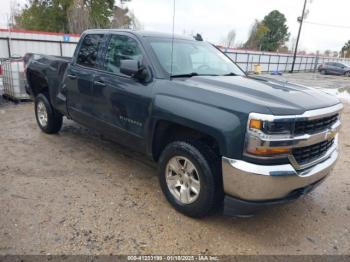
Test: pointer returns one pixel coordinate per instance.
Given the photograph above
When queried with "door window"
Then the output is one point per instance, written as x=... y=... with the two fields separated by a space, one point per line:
x=121 y=47
x=87 y=55
x=339 y=65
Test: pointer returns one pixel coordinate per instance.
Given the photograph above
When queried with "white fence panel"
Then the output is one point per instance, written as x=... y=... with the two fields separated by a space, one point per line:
x=20 y=48
x=68 y=49
x=3 y=48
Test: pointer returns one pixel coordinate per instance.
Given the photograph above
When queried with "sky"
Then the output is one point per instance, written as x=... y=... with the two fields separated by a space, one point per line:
x=213 y=19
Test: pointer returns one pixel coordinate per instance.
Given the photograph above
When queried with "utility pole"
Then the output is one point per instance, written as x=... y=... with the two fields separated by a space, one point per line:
x=300 y=20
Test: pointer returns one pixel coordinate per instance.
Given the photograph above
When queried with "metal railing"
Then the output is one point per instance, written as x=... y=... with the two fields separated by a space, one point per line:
x=270 y=62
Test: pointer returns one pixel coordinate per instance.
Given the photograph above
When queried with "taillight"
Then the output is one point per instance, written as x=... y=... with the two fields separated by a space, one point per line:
x=1 y=70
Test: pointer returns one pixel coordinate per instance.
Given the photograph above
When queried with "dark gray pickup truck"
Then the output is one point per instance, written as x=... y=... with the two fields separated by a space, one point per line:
x=222 y=139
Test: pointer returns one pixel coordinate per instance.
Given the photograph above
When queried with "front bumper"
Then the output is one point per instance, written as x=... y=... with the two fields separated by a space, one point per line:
x=242 y=208
x=249 y=182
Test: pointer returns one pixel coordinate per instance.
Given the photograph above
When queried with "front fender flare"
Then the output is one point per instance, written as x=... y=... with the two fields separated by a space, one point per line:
x=227 y=128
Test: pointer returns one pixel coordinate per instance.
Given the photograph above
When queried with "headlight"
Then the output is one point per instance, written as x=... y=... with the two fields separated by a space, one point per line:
x=263 y=127
x=275 y=127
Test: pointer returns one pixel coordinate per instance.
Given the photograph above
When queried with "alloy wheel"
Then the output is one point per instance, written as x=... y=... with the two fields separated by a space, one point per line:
x=41 y=113
x=182 y=179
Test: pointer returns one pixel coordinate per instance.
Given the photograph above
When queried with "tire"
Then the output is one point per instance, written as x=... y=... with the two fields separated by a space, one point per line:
x=347 y=74
x=47 y=118
x=205 y=176
x=323 y=72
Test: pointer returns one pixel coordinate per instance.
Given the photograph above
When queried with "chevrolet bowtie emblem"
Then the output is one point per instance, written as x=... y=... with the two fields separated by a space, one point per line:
x=330 y=135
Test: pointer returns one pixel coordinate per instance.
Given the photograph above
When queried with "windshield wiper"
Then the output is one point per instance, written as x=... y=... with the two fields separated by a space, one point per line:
x=230 y=74
x=192 y=74
x=186 y=75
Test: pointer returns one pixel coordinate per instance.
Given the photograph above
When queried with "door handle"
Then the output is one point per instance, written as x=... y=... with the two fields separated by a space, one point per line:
x=72 y=76
x=99 y=83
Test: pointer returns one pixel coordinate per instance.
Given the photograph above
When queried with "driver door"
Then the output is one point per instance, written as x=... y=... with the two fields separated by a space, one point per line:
x=122 y=102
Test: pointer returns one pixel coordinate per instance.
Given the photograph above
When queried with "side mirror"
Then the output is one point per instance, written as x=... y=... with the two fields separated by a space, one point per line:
x=134 y=69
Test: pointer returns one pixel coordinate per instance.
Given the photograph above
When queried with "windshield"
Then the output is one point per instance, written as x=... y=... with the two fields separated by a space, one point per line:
x=192 y=58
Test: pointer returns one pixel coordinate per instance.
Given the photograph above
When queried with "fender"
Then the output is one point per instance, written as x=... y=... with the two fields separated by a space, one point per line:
x=225 y=127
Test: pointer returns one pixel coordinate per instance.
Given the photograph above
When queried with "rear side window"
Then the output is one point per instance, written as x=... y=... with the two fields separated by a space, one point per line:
x=121 y=47
x=87 y=55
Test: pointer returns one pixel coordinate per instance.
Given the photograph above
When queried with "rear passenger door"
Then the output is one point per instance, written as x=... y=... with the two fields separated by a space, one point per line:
x=122 y=103
x=80 y=75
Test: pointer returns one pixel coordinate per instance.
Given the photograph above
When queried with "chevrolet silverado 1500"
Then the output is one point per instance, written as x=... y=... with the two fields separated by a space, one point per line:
x=221 y=138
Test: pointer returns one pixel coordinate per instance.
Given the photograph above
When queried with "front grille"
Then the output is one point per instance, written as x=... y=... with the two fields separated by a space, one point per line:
x=305 y=155
x=314 y=126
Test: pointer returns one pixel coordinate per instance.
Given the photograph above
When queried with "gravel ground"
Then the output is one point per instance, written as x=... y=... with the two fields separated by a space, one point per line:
x=76 y=193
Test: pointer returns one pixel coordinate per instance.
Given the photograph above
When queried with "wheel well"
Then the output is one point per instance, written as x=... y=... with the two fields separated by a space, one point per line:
x=37 y=83
x=166 y=132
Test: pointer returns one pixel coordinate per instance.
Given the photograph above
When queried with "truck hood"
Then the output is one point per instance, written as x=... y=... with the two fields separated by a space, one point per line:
x=281 y=98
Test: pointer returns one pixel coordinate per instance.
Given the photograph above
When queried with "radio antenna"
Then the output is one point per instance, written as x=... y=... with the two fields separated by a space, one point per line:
x=172 y=41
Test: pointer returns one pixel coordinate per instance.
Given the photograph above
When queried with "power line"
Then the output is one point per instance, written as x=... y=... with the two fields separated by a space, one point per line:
x=329 y=25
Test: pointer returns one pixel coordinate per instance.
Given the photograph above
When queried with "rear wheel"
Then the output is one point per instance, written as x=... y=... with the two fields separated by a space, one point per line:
x=47 y=118
x=323 y=72
x=347 y=74
x=190 y=178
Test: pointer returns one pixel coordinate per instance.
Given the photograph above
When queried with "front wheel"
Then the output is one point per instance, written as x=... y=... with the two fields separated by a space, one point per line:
x=190 y=178
x=47 y=118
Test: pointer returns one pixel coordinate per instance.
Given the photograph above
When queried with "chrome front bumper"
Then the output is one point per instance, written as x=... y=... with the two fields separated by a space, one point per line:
x=251 y=182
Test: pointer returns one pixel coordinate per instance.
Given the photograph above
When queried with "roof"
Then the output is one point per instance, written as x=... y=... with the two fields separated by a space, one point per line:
x=139 y=33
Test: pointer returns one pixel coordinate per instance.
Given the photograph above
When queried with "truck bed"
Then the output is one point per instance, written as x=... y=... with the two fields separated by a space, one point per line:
x=43 y=71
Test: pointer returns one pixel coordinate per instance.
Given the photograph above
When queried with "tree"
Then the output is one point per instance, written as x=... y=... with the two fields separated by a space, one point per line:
x=44 y=15
x=121 y=19
x=277 y=33
x=257 y=33
x=327 y=53
x=74 y=16
x=100 y=12
x=135 y=23
x=345 y=51
x=283 y=49
x=78 y=17
x=230 y=39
